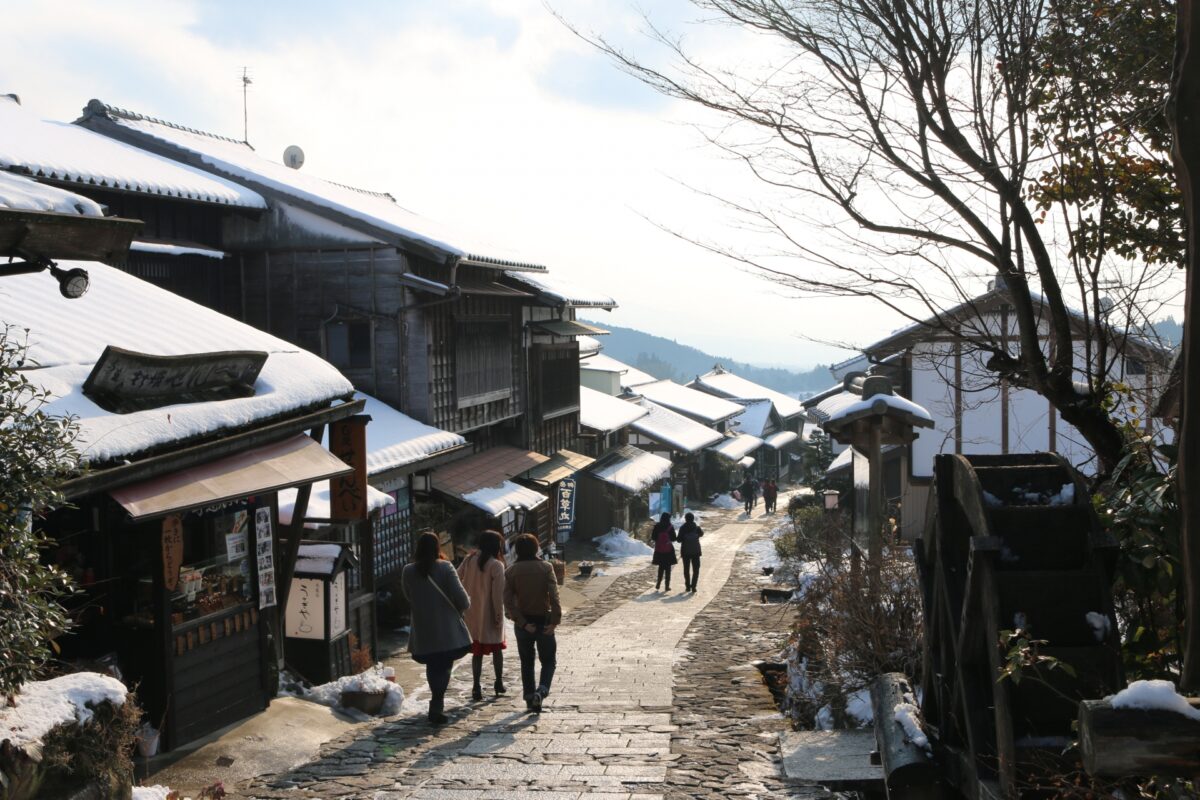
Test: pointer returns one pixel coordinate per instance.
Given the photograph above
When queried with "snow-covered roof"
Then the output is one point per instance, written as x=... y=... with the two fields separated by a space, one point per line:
x=630 y=376
x=320 y=506
x=60 y=151
x=239 y=161
x=631 y=469
x=395 y=439
x=497 y=499
x=753 y=420
x=843 y=460
x=554 y=290
x=164 y=249
x=693 y=403
x=781 y=439
x=588 y=345
x=746 y=463
x=317 y=559
x=725 y=384
x=67 y=337
x=605 y=413
x=674 y=430
x=23 y=194
x=845 y=406
x=737 y=447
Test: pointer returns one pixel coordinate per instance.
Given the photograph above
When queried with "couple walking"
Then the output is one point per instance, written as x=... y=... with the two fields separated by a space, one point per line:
x=664 y=537
x=456 y=612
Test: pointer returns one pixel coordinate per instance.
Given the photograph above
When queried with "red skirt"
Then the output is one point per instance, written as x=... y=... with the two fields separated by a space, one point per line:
x=481 y=649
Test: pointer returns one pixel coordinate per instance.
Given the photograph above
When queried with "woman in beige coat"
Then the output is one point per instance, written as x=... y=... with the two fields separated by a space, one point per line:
x=482 y=573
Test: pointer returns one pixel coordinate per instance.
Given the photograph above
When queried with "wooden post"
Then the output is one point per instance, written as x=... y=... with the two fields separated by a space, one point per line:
x=1184 y=116
x=875 y=509
x=1118 y=743
x=905 y=765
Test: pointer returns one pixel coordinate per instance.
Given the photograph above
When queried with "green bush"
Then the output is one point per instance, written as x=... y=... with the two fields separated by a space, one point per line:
x=36 y=452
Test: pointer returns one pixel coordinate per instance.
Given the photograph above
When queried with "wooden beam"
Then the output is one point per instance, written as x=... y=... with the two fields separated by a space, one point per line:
x=1119 y=743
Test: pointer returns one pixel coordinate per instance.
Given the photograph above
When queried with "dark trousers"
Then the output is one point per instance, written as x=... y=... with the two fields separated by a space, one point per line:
x=545 y=646
x=437 y=673
x=749 y=503
x=664 y=572
x=691 y=571
x=769 y=504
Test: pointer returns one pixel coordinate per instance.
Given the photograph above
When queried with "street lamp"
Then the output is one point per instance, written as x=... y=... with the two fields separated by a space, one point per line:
x=72 y=283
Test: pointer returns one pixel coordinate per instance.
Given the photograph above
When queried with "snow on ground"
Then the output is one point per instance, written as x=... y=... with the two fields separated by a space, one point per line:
x=725 y=501
x=42 y=705
x=618 y=544
x=372 y=680
x=1154 y=695
x=155 y=792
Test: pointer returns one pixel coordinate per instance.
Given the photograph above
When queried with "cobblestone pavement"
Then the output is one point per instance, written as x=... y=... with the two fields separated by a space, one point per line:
x=654 y=698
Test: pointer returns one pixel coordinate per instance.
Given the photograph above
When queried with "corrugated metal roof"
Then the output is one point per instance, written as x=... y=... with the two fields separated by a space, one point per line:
x=566 y=327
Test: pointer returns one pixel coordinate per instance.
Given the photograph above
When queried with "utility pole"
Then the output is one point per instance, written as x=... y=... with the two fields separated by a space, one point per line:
x=245 y=115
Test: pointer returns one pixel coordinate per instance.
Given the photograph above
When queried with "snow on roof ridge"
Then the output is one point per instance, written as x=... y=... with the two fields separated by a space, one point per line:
x=96 y=106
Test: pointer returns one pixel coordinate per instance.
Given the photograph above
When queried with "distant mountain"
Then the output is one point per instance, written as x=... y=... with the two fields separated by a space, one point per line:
x=1168 y=330
x=666 y=358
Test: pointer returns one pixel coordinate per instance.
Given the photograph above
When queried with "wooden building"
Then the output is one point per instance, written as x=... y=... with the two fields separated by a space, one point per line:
x=173 y=532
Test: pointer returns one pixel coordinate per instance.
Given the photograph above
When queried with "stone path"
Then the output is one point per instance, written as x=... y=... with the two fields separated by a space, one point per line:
x=613 y=726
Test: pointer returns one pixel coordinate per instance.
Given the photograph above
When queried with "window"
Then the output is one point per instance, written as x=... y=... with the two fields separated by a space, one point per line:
x=483 y=364
x=557 y=378
x=348 y=344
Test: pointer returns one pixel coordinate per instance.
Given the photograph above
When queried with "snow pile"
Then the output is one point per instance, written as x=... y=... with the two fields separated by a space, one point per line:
x=858 y=706
x=43 y=705
x=618 y=544
x=1099 y=624
x=909 y=717
x=1151 y=695
x=1065 y=496
x=23 y=194
x=1025 y=496
x=679 y=519
x=725 y=501
x=372 y=680
x=155 y=792
x=764 y=553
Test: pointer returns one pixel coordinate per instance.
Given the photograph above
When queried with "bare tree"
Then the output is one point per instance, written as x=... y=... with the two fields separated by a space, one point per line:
x=916 y=121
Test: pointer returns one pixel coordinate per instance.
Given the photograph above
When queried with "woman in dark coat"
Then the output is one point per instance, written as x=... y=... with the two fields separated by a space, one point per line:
x=662 y=538
x=439 y=635
x=689 y=551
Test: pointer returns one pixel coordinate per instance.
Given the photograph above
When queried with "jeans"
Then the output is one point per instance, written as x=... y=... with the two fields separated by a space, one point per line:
x=691 y=571
x=546 y=647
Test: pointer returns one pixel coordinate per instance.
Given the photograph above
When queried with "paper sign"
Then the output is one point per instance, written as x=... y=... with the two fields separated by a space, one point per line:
x=266 y=557
x=172 y=550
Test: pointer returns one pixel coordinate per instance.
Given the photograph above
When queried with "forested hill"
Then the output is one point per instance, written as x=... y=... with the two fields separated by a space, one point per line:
x=665 y=358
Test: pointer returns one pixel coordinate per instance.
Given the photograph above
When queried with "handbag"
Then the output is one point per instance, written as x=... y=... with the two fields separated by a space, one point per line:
x=458 y=615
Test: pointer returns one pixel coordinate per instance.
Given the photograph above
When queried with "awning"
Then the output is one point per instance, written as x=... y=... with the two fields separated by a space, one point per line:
x=566 y=327
x=473 y=285
x=736 y=447
x=746 y=463
x=781 y=439
x=562 y=464
x=497 y=499
x=631 y=469
x=292 y=462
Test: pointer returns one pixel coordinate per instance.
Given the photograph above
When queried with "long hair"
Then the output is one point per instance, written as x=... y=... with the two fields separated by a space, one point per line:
x=491 y=545
x=427 y=552
x=527 y=547
x=663 y=523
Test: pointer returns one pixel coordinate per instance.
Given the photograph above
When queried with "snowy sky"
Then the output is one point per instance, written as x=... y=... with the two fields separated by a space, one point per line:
x=487 y=113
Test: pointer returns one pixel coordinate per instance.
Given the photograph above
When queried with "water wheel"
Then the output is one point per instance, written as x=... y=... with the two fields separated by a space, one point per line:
x=1011 y=542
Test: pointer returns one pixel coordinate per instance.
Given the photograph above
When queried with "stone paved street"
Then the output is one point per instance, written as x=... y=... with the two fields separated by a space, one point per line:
x=654 y=698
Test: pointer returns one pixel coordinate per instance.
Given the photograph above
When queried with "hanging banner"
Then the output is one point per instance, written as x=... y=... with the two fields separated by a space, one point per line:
x=565 y=509
x=348 y=494
x=264 y=548
x=172 y=550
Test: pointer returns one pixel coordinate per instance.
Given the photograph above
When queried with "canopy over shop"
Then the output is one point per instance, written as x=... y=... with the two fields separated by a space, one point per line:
x=484 y=486
x=617 y=496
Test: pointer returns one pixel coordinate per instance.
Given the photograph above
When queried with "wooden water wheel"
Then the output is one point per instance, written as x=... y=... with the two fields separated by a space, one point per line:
x=1011 y=542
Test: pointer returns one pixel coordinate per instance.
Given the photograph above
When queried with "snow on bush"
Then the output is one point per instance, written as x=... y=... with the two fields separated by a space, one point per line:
x=726 y=501
x=155 y=792
x=618 y=544
x=371 y=680
x=1156 y=694
x=43 y=705
x=1099 y=624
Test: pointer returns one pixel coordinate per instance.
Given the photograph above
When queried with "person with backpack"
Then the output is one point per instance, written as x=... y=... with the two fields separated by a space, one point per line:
x=662 y=537
x=689 y=550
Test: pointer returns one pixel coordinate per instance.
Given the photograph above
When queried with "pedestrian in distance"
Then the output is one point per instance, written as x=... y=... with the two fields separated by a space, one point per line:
x=482 y=575
x=755 y=488
x=663 y=538
x=770 y=494
x=689 y=550
x=531 y=601
x=747 y=491
x=439 y=635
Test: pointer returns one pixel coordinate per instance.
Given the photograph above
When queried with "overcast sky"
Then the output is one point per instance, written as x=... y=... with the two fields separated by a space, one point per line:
x=489 y=114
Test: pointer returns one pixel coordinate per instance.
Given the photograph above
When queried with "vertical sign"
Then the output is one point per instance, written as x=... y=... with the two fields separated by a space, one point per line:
x=565 y=509
x=305 y=617
x=264 y=548
x=172 y=550
x=337 y=605
x=348 y=494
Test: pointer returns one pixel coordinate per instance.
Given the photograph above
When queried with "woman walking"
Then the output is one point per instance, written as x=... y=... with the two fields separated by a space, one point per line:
x=770 y=492
x=482 y=575
x=663 y=537
x=689 y=550
x=439 y=636
x=531 y=601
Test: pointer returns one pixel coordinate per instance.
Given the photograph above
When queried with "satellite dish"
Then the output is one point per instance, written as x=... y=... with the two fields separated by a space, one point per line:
x=293 y=157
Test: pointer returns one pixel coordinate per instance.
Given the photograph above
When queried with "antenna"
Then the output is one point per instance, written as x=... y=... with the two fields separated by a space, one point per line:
x=245 y=116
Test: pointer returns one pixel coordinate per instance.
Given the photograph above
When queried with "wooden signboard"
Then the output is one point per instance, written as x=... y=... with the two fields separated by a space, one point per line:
x=348 y=494
x=124 y=381
x=172 y=550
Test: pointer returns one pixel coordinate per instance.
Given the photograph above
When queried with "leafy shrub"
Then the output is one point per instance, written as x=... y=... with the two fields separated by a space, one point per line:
x=36 y=452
